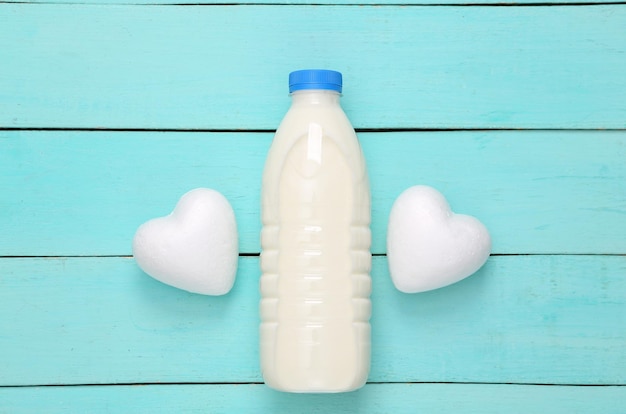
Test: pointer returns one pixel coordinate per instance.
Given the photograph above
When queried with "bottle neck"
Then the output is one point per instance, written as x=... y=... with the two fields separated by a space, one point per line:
x=315 y=97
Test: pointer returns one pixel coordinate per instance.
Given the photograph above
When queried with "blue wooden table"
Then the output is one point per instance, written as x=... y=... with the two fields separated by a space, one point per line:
x=110 y=110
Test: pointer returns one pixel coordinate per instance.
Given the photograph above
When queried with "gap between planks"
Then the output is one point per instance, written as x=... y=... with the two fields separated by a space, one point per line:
x=266 y=131
x=118 y=256
x=126 y=384
x=469 y=4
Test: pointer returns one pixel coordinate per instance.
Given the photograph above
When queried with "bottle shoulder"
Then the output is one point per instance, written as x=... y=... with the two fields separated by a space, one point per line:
x=331 y=120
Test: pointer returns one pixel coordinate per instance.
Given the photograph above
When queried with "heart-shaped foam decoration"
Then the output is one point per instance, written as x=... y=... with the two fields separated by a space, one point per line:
x=429 y=246
x=195 y=247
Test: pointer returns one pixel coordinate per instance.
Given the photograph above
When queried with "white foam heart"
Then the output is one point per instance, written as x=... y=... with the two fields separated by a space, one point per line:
x=195 y=247
x=429 y=246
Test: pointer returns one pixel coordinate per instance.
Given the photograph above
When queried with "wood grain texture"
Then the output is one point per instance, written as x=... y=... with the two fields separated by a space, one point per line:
x=85 y=193
x=318 y=2
x=548 y=309
x=80 y=66
x=373 y=399
x=521 y=319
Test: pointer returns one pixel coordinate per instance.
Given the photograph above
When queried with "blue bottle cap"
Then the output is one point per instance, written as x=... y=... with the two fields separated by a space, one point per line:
x=315 y=79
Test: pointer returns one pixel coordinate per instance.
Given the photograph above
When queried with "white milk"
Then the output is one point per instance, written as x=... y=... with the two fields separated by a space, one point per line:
x=315 y=260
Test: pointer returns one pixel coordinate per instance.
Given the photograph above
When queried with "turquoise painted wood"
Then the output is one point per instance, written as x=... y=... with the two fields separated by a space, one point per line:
x=521 y=319
x=82 y=66
x=319 y=2
x=545 y=315
x=374 y=399
x=85 y=193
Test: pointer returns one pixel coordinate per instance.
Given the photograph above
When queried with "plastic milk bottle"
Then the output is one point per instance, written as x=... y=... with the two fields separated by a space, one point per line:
x=315 y=242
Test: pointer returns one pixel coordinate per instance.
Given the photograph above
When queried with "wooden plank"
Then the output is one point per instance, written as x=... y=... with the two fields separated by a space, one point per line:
x=317 y=2
x=521 y=319
x=85 y=193
x=79 y=66
x=374 y=398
